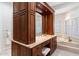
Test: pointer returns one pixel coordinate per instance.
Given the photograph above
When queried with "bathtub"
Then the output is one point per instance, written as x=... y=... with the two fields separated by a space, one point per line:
x=72 y=46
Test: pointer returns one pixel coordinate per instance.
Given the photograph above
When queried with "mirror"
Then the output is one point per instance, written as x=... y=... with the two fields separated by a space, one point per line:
x=38 y=23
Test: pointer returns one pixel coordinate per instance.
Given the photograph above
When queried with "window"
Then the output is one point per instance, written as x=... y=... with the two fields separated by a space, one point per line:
x=58 y=24
x=72 y=27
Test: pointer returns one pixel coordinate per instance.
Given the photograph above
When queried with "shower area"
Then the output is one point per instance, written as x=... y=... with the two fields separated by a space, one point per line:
x=67 y=30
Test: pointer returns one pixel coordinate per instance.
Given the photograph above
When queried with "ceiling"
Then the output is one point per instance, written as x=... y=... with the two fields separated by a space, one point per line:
x=62 y=7
x=54 y=3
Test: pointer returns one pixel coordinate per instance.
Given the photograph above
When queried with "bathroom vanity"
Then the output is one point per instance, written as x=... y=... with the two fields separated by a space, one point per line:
x=25 y=42
x=37 y=48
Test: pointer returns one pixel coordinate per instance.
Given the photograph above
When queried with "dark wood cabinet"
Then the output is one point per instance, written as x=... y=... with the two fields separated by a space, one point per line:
x=15 y=49
x=53 y=44
x=24 y=29
x=36 y=51
x=44 y=24
x=31 y=22
x=24 y=22
x=21 y=50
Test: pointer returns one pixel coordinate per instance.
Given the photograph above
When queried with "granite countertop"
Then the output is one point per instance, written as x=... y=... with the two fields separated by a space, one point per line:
x=39 y=40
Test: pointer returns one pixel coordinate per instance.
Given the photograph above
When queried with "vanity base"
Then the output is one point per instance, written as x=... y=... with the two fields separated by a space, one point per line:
x=22 y=50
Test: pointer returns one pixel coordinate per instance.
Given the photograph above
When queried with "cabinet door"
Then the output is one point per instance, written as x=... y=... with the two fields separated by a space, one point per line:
x=20 y=22
x=44 y=24
x=16 y=27
x=19 y=50
x=24 y=22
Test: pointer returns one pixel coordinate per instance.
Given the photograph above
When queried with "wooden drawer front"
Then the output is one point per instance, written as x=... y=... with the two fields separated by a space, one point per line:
x=37 y=51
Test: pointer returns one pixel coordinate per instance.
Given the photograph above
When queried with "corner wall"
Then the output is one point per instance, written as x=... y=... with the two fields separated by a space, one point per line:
x=6 y=20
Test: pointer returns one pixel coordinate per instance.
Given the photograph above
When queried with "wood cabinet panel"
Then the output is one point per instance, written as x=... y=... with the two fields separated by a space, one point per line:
x=31 y=28
x=50 y=24
x=19 y=21
x=19 y=50
x=24 y=22
x=15 y=49
x=37 y=51
x=31 y=22
x=53 y=44
x=16 y=26
x=44 y=24
x=19 y=6
x=25 y=51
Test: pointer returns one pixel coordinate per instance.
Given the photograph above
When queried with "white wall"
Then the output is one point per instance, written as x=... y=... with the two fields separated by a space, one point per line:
x=74 y=12
x=71 y=19
x=1 y=37
x=6 y=18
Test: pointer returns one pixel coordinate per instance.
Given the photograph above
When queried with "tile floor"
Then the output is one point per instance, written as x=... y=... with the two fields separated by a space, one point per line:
x=6 y=51
x=58 y=52
x=61 y=52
